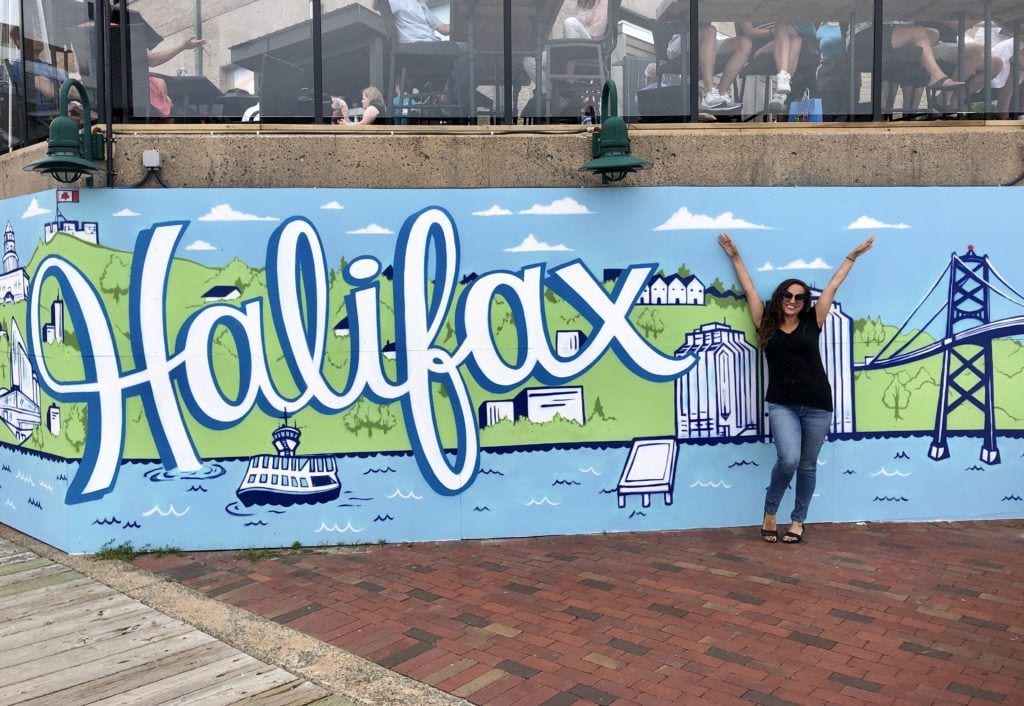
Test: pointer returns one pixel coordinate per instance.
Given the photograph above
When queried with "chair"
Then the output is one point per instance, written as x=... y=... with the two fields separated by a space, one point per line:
x=763 y=67
x=579 y=67
x=429 y=67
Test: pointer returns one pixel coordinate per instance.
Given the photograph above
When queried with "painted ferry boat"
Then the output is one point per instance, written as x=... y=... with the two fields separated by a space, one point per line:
x=286 y=478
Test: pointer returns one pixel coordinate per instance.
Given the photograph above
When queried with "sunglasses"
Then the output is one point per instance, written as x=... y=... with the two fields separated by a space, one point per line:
x=795 y=297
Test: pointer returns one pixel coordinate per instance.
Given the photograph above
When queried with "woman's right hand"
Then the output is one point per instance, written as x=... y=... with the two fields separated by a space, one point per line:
x=726 y=242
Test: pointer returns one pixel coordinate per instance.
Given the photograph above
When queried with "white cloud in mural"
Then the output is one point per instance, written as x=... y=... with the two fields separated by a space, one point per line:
x=684 y=220
x=200 y=245
x=494 y=210
x=815 y=264
x=124 y=213
x=224 y=212
x=372 y=229
x=559 y=207
x=531 y=244
x=869 y=223
x=34 y=209
x=332 y=206
x=766 y=267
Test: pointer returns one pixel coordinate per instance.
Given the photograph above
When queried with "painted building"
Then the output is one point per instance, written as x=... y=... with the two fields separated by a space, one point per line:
x=53 y=419
x=718 y=397
x=674 y=290
x=542 y=404
x=221 y=293
x=86 y=231
x=19 y=404
x=493 y=411
x=14 y=280
x=567 y=343
x=836 y=346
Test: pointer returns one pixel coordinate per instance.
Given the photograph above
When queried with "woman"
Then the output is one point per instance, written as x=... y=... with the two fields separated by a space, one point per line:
x=373 y=108
x=799 y=397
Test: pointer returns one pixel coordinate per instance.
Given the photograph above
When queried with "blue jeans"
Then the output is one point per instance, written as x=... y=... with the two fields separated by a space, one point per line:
x=799 y=433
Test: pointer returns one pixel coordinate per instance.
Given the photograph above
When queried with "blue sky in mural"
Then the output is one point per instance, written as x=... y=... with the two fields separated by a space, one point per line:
x=783 y=232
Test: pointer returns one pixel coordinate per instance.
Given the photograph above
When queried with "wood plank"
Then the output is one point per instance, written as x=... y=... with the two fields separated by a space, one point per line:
x=294 y=693
x=31 y=572
x=135 y=676
x=133 y=633
x=82 y=665
x=14 y=567
x=48 y=600
x=181 y=685
x=39 y=583
x=74 y=632
x=99 y=606
x=251 y=682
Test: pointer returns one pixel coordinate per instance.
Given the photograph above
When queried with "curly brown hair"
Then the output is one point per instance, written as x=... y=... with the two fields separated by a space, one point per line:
x=772 y=316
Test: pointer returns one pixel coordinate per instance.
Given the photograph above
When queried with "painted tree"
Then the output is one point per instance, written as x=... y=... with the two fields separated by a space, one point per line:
x=365 y=416
x=650 y=323
x=598 y=411
x=114 y=280
x=683 y=271
x=74 y=427
x=901 y=388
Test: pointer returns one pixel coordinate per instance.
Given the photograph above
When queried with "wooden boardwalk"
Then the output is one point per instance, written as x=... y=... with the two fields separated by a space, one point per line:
x=68 y=639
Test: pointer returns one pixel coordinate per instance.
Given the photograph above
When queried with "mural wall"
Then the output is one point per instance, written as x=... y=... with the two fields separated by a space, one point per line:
x=237 y=368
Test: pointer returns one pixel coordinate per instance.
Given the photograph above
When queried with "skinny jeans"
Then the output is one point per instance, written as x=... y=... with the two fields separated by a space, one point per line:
x=798 y=431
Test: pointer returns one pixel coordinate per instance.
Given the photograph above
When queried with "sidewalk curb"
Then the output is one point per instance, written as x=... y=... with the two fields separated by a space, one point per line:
x=341 y=673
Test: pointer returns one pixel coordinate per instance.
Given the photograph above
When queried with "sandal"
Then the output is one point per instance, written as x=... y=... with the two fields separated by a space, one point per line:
x=944 y=95
x=770 y=536
x=792 y=537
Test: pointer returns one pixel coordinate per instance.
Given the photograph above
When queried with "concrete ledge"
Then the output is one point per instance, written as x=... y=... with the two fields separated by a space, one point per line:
x=738 y=154
x=334 y=669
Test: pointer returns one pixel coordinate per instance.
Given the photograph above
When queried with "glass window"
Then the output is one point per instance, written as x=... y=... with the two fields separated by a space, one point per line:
x=567 y=49
x=12 y=104
x=939 y=59
x=295 y=482
x=252 y=478
x=304 y=482
x=273 y=479
x=766 y=59
x=659 y=90
x=263 y=477
x=274 y=461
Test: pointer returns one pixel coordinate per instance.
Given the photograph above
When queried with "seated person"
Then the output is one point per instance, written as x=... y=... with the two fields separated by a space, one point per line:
x=415 y=22
x=373 y=108
x=43 y=79
x=589 y=20
x=902 y=35
x=784 y=42
x=710 y=45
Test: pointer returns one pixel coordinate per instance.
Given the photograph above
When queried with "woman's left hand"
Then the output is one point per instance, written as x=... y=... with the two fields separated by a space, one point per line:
x=862 y=248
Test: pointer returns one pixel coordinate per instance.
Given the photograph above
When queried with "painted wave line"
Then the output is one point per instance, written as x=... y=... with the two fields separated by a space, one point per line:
x=398 y=493
x=889 y=474
x=334 y=528
x=45 y=486
x=8 y=503
x=543 y=501
x=164 y=513
x=27 y=479
x=591 y=470
x=710 y=484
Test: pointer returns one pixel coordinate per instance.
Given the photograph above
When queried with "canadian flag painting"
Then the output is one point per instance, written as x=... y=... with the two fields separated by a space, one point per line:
x=67 y=195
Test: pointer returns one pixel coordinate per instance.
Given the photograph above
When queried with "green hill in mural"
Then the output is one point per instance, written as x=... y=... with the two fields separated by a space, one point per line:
x=618 y=405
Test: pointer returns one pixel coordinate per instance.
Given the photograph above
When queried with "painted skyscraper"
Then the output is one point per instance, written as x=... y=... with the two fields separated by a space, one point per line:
x=836 y=346
x=19 y=405
x=14 y=280
x=717 y=397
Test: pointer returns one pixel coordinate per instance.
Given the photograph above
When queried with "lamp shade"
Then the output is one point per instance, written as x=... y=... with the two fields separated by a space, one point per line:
x=610 y=145
x=70 y=150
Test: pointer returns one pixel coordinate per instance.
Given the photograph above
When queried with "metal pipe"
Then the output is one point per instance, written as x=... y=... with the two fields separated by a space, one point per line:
x=506 y=35
x=104 y=82
x=694 y=61
x=987 y=94
x=198 y=51
x=317 y=28
x=876 y=61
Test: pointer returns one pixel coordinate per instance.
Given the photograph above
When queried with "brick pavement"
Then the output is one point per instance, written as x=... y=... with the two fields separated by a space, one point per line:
x=879 y=613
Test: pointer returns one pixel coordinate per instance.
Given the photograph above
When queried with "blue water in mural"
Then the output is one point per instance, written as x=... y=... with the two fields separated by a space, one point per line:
x=519 y=493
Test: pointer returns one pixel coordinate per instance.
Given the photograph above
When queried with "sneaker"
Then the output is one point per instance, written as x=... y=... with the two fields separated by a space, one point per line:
x=713 y=99
x=782 y=80
x=729 y=104
x=778 y=102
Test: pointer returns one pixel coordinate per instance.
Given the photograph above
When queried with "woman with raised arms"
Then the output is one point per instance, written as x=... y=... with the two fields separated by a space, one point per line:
x=799 y=398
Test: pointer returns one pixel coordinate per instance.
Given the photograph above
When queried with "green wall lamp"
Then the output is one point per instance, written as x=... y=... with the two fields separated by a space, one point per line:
x=610 y=145
x=70 y=151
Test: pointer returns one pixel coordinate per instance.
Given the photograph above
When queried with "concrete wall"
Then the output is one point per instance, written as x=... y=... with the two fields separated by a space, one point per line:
x=202 y=156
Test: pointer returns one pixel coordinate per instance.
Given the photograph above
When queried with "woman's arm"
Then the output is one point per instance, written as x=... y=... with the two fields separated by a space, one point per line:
x=156 y=58
x=829 y=293
x=369 y=115
x=754 y=304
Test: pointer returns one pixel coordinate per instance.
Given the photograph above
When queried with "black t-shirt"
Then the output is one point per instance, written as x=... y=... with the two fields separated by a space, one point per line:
x=796 y=375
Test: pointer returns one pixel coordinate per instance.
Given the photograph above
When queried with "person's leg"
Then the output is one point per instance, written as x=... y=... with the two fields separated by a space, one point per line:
x=785 y=428
x=572 y=28
x=706 y=48
x=814 y=424
x=738 y=49
x=923 y=37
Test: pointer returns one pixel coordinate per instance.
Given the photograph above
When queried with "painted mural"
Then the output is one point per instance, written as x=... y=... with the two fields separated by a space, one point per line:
x=241 y=368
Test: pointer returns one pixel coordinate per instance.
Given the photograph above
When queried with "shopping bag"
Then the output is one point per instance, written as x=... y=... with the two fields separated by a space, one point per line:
x=805 y=110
